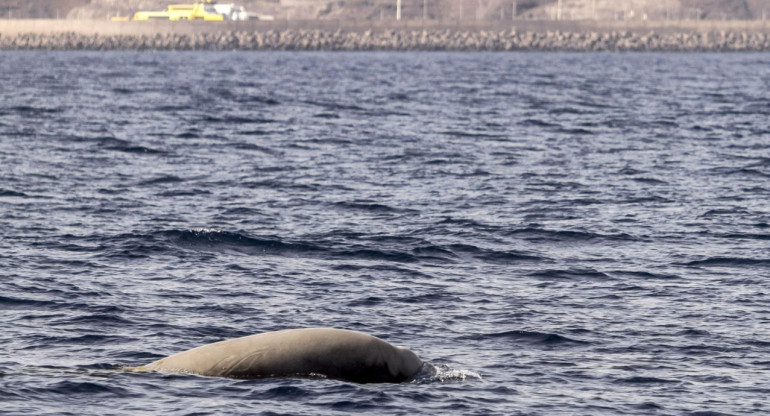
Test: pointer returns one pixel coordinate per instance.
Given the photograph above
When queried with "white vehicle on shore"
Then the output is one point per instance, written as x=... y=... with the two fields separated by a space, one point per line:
x=238 y=13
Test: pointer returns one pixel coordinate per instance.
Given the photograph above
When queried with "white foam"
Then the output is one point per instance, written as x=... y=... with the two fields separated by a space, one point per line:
x=442 y=373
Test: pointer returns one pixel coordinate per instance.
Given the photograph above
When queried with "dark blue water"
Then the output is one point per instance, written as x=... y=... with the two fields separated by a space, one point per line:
x=555 y=234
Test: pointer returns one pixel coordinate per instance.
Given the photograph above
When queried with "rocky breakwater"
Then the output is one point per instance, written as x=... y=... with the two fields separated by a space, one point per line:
x=398 y=40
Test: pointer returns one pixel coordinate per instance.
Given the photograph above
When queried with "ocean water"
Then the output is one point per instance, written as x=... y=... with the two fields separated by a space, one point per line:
x=553 y=233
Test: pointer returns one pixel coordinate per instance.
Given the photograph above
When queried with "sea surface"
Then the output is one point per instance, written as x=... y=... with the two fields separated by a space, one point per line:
x=553 y=233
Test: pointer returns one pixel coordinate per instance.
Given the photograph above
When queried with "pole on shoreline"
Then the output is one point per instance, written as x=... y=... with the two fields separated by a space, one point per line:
x=424 y=10
x=513 y=10
x=625 y=11
x=398 y=9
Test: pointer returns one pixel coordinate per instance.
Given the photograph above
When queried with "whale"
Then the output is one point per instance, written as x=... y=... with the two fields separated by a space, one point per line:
x=303 y=353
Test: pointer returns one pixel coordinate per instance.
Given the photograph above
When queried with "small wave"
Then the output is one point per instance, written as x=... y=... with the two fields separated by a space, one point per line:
x=759 y=162
x=130 y=246
x=429 y=298
x=398 y=96
x=236 y=120
x=285 y=393
x=455 y=133
x=259 y=99
x=162 y=180
x=368 y=206
x=646 y=380
x=135 y=149
x=593 y=104
x=464 y=222
x=100 y=318
x=576 y=131
x=566 y=110
x=190 y=134
x=435 y=253
x=253 y=132
x=7 y=302
x=492 y=256
x=278 y=184
x=253 y=147
x=532 y=337
x=34 y=111
x=184 y=192
x=244 y=212
x=9 y=193
x=220 y=240
x=443 y=373
x=693 y=333
x=328 y=116
x=645 y=200
x=647 y=275
x=649 y=406
x=701 y=128
x=541 y=234
x=170 y=108
x=142 y=245
x=740 y=172
x=377 y=248
x=373 y=254
x=728 y=262
x=367 y=301
x=92 y=339
x=650 y=181
x=757 y=343
x=390 y=239
x=335 y=106
x=630 y=171
x=570 y=274
x=68 y=388
x=383 y=268
x=700 y=350
x=717 y=212
x=531 y=122
x=119 y=145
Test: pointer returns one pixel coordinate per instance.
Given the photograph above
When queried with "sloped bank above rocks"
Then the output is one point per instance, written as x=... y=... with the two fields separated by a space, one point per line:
x=437 y=40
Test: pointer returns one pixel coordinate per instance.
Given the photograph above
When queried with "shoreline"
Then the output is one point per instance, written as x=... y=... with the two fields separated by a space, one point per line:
x=578 y=36
x=397 y=41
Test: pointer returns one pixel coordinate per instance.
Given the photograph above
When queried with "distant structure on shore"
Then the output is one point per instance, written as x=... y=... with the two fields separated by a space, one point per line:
x=206 y=10
x=433 y=10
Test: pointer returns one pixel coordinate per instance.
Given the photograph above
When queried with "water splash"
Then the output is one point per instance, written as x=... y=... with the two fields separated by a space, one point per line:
x=443 y=373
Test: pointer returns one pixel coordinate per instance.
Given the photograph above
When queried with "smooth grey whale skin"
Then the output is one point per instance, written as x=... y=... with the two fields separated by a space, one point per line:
x=333 y=353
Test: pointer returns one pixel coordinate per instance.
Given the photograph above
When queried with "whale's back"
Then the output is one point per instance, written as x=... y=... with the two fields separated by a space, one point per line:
x=333 y=353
